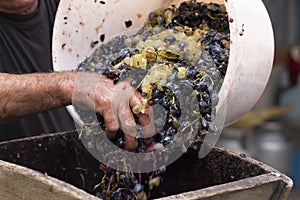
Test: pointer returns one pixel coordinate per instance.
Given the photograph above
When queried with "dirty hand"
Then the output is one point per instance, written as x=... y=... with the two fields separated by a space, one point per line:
x=114 y=102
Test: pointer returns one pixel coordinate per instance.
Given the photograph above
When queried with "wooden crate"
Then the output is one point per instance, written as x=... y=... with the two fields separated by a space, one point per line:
x=57 y=166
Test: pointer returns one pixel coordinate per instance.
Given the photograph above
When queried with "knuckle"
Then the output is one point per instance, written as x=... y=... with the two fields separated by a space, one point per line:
x=130 y=124
x=111 y=125
x=112 y=128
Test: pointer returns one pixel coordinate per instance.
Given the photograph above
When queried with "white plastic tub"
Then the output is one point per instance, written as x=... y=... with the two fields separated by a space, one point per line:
x=80 y=22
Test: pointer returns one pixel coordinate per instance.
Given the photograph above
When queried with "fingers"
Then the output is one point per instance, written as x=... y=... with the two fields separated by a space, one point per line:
x=127 y=124
x=132 y=98
x=126 y=118
x=147 y=121
x=130 y=143
x=146 y=117
x=123 y=97
x=111 y=123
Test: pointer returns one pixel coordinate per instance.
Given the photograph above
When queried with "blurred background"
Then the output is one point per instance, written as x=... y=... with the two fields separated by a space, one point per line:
x=270 y=132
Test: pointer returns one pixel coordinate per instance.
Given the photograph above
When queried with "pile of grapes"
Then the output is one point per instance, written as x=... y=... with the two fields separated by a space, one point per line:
x=180 y=56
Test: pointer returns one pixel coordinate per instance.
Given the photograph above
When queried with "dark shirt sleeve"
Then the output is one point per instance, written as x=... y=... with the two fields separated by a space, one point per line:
x=25 y=47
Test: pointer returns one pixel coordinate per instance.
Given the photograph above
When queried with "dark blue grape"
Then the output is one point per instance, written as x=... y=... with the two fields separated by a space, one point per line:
x=170 y=39
x=182 y=45
x=204 y=124
x=152 y=15
x=166 y=140
x=200 y=86
x=222 y=58
x=191 y=73
x=203 y=104
x=214 y=99
x=207 y=117
x=120 y=142
x=175 y=111
x=117 y=194
x=205 y=96
x=157 y=94
x=128 y=182
x=138 y=188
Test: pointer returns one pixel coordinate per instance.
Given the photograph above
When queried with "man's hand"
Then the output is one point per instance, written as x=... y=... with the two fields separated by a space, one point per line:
x=25 y=94
x=114 y=102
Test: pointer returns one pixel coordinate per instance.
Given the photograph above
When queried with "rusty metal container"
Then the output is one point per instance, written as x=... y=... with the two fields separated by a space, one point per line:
x=57 y=166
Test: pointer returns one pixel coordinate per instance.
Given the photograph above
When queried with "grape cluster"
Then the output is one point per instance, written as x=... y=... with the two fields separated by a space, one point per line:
x=125 y=185
x=178 y=48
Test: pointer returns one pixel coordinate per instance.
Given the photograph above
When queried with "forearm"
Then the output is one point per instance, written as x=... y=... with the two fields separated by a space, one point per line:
x=25 y=94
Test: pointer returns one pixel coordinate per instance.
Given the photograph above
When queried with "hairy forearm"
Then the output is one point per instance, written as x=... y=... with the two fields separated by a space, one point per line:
x=25 y=94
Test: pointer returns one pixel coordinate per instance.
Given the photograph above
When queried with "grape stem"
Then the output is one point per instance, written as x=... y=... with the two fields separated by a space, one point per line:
x=204 y=75
x=191 y=124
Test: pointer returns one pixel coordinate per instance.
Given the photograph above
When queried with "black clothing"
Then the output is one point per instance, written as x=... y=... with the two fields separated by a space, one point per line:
x=25 y=47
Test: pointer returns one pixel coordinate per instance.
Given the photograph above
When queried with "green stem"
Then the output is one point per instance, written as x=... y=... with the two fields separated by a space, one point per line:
x=191 y=124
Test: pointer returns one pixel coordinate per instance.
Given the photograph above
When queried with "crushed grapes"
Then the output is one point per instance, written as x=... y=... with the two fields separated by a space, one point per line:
x=178 y=47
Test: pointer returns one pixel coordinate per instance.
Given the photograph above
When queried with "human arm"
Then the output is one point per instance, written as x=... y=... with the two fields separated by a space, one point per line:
x=25 y=94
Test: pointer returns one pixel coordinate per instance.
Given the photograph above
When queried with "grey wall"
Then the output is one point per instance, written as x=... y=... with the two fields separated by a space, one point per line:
x=285 y=17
